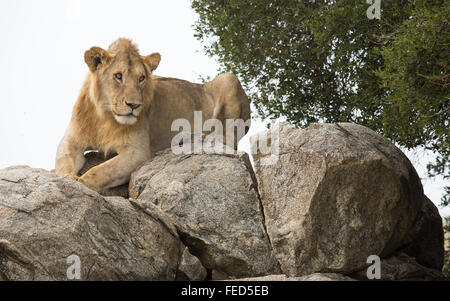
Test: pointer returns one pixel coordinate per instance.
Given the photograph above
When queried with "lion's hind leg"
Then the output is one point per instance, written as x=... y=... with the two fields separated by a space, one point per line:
x=231 y=107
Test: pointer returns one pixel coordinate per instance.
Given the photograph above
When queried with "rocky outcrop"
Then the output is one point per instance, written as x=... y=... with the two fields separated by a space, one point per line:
x=333 y=195
x=312 y=277
x=319 y=203
x=190 y=268
x=425 y=241
x=45 y=219
x=214 y=203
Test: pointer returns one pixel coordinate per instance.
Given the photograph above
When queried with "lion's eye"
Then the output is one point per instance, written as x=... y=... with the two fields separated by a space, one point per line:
x=118 y=76
x=141 y=79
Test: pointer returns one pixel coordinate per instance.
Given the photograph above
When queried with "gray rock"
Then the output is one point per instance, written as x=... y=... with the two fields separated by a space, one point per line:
x=214 y=203
x=45 y=218
x=326 y=277
x=425 y=241
x=402 y=267
x=191 y=268
x=334 y=194
x=312 y=277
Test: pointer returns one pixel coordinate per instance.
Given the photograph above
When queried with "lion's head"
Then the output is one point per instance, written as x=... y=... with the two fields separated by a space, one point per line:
x=121 y=80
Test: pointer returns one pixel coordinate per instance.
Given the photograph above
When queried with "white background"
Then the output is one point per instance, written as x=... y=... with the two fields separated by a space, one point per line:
x=42 y=67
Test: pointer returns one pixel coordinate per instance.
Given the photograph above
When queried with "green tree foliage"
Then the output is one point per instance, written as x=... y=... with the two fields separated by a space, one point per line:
x=325 y=60
x=417 y=107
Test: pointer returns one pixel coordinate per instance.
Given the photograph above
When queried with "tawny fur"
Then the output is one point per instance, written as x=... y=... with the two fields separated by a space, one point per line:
x=103 y=118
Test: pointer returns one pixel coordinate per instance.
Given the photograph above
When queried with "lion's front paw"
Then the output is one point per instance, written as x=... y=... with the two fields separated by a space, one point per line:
x=75 y=178
x=90 y=182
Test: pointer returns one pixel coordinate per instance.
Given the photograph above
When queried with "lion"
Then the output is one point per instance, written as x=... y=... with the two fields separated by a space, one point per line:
x=124 y=109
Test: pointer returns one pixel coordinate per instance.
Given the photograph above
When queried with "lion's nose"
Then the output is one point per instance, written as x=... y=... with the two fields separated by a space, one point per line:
x=133 y=105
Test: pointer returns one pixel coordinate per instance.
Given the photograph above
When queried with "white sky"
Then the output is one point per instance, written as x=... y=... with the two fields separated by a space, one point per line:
x=42 y=46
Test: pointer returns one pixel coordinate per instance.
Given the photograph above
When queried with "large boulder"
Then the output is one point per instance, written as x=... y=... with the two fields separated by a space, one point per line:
x=214 y=203
x=332 y=195
x=46 y=218
x=425 y=240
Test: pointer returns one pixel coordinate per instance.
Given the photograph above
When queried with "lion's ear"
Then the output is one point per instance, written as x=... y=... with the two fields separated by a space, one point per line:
x=152 y=60
x=95 y=57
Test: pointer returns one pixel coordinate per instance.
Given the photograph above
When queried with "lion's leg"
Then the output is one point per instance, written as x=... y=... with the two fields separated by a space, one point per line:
x=232 y=104
x=232 y=111
x=69 y=158
x=114 y=172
